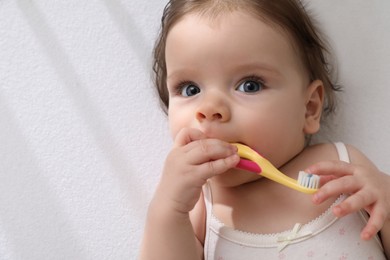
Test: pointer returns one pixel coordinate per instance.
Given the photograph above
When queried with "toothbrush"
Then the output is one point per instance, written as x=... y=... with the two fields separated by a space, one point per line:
x=252 y=161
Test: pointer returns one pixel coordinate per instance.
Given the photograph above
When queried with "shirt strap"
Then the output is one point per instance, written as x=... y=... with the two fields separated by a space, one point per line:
x=342 y=151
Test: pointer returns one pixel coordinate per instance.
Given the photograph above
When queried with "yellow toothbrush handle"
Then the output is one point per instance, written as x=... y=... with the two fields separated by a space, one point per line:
x=269 y=171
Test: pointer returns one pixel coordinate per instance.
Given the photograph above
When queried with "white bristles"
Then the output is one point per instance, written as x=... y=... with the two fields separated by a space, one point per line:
x=308 y=180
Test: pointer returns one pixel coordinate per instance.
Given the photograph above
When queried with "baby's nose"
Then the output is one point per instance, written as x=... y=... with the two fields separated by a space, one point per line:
x=213 y=108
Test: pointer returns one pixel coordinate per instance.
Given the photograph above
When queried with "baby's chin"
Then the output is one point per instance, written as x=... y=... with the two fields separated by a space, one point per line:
x=235 y=177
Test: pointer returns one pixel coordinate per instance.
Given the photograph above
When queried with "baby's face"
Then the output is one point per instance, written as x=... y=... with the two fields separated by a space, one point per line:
x=238 y=79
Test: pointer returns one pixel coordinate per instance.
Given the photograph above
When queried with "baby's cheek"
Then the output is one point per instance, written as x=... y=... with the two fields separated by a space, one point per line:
x=177 y=121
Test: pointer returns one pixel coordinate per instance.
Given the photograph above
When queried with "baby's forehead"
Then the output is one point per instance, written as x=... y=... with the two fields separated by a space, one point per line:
x=236 y=38
x=216 y=20
x=215 y=16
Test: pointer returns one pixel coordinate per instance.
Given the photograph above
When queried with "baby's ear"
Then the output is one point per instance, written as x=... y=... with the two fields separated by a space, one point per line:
x=314 y=104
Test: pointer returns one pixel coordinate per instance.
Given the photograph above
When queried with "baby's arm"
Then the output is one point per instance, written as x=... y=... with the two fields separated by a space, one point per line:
x=368 y=188
x=169 y=232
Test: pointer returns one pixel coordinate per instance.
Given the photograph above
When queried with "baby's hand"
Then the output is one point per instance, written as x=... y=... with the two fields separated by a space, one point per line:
x=192 y=161
x=367 y=186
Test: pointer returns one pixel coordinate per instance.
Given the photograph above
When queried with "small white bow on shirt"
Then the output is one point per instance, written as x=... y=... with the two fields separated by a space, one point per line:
x=285 y=241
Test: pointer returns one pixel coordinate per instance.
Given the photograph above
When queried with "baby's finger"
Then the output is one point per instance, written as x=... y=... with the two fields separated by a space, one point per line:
x=212 y=168
x=335 y=168
x=188 y=135
x=335 y=187
x=374 y=224
x=326 y=178
x=354 y=203
x=205 y=150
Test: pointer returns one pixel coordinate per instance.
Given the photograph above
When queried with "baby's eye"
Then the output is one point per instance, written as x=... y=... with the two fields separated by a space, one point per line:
x=189 y=89
x=250 y=86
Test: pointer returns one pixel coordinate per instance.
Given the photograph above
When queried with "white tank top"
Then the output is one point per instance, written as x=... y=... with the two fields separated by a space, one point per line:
x=325 y=237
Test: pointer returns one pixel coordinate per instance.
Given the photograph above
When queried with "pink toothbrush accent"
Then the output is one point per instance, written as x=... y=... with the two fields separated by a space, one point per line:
x=249 y=166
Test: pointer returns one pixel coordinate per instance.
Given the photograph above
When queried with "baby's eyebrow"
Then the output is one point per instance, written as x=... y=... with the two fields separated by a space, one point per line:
x=180 y=73
x=258 y=66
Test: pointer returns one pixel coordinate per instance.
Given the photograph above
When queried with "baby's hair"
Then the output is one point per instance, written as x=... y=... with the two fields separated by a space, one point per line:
x=288 y=15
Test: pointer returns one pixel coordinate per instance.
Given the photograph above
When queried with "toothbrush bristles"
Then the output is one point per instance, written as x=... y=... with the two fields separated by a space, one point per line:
x=308 y=180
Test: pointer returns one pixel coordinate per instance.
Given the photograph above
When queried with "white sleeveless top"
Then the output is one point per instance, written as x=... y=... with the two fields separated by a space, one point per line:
x=325 y=237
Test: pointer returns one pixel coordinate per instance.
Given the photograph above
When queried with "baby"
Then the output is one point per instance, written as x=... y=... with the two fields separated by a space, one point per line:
x=255 y=72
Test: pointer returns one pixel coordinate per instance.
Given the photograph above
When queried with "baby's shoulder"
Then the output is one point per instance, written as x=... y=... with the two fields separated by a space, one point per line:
x=334 y=152
x=323 y=151
x=310 y=155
